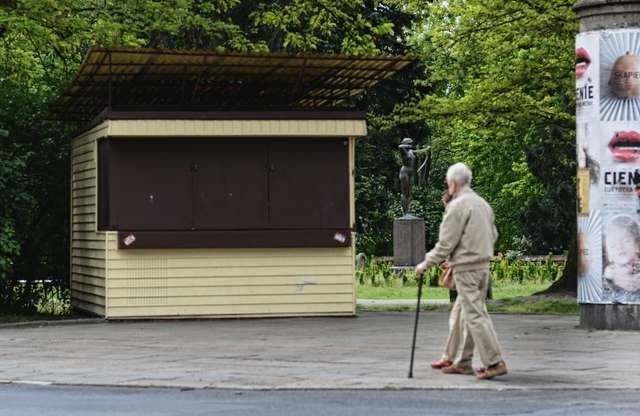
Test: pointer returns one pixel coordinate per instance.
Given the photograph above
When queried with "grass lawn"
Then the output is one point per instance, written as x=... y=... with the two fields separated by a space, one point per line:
x=560 y=305
x=500 y=291
x=543 y=304
x=515 y=298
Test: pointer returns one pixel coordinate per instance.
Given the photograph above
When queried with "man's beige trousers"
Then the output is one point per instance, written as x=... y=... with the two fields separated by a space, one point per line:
x=469 y=322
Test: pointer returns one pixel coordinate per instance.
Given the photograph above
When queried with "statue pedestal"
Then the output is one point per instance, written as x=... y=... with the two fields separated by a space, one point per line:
x=408 y=240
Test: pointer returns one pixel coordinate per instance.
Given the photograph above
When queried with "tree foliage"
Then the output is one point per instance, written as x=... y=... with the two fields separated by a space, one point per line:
x=500 y=81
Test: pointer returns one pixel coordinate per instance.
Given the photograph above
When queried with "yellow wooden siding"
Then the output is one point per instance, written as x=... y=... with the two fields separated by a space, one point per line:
x=229 y=282
x=227 y=128
x=78 y=303
x=87 y=245
x=246 y=311
x=211 y=290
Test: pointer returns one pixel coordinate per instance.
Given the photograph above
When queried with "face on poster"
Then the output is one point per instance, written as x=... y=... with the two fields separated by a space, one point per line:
x=622 y=259
x=620 y=75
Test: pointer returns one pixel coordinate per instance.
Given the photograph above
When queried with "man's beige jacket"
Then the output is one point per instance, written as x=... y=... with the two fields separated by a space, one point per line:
x=467 y=233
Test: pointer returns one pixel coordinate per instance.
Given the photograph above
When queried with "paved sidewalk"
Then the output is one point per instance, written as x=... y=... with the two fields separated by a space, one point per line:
x=367 y=352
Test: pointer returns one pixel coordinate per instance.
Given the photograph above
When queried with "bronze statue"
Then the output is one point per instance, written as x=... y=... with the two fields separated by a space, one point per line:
x=408 y=170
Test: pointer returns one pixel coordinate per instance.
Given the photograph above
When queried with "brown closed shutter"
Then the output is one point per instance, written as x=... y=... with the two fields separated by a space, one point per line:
x=150 y=185
x=231 y=184
x=225 y=192
x=309 y=183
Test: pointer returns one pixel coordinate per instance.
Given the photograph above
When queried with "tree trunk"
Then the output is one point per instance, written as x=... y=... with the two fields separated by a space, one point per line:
x=568 y=282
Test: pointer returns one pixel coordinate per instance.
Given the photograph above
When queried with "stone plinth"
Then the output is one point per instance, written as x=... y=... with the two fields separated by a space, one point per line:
x=408 y=240
x=607 y=14
x=615 y=316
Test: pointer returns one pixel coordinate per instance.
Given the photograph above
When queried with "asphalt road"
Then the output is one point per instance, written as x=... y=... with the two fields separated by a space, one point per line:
x=18 y=400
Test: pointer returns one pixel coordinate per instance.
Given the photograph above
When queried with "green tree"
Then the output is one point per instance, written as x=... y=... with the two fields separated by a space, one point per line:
x=328 y=26
x=500 y=75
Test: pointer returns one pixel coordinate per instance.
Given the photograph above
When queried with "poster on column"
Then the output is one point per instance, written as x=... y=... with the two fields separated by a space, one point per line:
x=608 y=155
x=589 y=239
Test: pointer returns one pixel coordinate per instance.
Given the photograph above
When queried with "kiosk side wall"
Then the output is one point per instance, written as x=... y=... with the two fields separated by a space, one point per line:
x=88 y=246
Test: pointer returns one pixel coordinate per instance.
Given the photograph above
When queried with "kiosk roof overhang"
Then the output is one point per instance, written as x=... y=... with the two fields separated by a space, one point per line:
x=160 y=80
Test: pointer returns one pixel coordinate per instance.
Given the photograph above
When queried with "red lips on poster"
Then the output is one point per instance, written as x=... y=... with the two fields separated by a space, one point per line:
x=583 y=60
x=625 y=146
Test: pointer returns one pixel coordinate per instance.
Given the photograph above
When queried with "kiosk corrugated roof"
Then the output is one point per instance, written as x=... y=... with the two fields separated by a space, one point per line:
x=164 y=80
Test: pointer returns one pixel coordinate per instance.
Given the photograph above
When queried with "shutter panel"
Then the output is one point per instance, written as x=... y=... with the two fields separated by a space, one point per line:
x=231 y=184
x=150 y=184
x=309 y=183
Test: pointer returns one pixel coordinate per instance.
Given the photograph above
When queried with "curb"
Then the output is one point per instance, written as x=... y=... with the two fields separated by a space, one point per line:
x=45 y=384
x=60 y=322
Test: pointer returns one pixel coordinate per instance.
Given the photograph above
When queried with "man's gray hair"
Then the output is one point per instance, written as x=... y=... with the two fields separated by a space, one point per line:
x=460 y=174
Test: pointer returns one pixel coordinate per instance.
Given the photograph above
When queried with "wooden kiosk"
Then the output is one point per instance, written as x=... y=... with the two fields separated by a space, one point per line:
x=212 y=184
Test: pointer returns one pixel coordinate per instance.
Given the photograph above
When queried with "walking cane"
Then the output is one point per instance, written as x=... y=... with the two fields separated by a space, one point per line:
x=415 y=326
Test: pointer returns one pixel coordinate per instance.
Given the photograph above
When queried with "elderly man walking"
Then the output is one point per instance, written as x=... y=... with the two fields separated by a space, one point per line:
x=467 y=236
